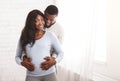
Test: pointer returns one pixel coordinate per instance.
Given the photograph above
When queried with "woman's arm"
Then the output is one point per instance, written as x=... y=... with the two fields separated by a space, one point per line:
x=26 y=62
x=18 y=54
x=57 y=47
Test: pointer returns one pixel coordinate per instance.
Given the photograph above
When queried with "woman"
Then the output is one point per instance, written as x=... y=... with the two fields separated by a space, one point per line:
x=36 y=43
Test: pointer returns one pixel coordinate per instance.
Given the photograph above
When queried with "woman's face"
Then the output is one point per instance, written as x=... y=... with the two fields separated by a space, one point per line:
x=39 y=22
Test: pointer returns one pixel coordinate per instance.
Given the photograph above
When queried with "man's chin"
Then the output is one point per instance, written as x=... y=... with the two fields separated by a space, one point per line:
x=48 y=26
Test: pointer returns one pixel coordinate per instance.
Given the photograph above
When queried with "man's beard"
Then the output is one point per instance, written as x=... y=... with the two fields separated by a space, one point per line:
x=49 y=25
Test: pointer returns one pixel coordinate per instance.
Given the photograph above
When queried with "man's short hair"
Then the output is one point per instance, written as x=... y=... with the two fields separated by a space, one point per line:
x=52 y=10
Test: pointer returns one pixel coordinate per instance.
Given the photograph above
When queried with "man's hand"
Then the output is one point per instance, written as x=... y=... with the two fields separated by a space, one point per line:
x=27 y=64
x=50 y=61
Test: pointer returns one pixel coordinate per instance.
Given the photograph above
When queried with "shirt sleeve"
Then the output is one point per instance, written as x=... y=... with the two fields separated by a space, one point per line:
x=57 y=47
x=18 y=54
x=60 y=33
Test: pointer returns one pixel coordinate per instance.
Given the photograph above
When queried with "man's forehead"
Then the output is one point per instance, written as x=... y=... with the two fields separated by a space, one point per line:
x=50 y=16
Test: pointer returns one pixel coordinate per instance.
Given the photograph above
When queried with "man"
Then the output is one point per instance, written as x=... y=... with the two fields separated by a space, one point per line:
x=51 y=13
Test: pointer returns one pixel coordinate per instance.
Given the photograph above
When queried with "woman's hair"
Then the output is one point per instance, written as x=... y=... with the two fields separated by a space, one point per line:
x=29 y=30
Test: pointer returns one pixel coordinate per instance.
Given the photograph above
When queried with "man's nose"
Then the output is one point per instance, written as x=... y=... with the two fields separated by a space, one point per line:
x=48 y=21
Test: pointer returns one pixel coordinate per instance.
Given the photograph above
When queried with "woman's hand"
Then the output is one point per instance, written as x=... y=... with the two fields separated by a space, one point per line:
x=27 y=64
x=50 y=61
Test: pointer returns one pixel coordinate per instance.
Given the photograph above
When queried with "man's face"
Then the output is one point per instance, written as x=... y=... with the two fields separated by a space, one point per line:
x=50 y=19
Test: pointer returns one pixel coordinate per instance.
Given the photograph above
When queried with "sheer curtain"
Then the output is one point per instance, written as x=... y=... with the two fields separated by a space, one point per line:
x=12 y=18
x=78 y=19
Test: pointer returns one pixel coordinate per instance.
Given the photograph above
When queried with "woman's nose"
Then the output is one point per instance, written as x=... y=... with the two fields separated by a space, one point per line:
x=41 y=23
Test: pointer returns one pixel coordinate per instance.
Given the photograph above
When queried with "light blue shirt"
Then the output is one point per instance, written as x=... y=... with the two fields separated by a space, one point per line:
x=39 y=51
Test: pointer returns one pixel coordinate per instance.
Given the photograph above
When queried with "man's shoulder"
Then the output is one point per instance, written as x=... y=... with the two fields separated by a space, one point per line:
x=56 y=24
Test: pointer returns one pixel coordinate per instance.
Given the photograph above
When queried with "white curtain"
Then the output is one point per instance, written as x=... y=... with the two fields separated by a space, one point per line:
x=78 y=18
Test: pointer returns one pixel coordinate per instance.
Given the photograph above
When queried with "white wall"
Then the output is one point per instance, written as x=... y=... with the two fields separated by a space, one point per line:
x=112 y=67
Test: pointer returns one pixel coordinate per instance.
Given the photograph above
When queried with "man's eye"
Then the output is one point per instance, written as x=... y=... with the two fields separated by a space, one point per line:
x=51 y=19
x=46 y=18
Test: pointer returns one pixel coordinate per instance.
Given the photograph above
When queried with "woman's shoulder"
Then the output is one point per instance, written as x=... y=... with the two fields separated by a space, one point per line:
x=50 y=34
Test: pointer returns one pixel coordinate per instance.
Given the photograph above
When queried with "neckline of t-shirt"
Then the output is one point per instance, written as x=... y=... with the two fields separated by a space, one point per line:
x=41 y=37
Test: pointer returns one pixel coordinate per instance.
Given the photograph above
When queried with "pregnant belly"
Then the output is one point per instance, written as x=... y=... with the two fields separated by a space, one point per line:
x=37 y=66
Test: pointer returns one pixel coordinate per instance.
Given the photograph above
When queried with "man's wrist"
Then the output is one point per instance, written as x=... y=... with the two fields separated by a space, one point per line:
x=54 y=61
